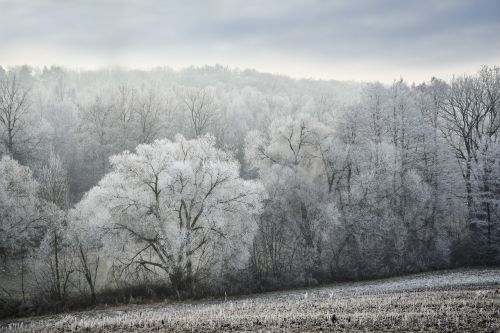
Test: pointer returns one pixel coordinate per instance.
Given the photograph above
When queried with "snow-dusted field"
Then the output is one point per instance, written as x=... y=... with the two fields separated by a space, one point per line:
x=464 y=301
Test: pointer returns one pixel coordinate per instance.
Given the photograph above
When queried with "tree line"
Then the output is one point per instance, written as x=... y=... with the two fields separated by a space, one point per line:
x=213 y=181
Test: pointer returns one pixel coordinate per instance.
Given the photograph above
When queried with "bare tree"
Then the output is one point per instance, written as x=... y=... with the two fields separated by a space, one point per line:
x=124 y=105
x=54 y=249
x=96 y=124
x=14 y=109
x=471 y=113
x=201 y=106
x=148 y=112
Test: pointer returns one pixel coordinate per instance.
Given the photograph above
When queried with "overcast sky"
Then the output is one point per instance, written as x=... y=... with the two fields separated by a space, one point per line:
x=356 y=39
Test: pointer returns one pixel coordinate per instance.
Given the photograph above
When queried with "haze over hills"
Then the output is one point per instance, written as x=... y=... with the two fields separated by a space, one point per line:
x=338 y=141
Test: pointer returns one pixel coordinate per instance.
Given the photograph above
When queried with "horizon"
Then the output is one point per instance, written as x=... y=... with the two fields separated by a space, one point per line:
x=447 y=77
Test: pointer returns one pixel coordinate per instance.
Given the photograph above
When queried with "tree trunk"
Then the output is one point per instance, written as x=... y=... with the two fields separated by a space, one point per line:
x=189 y=283
x=468 y=188
x=10 y=143
x=87 y=273
x=56 y=262
x=22 y=279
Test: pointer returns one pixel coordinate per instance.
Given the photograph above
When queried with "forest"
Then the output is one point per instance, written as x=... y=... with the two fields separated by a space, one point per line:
x=120 y=185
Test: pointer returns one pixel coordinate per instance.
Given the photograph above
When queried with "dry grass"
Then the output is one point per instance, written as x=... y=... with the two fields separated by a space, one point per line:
x=344 y=308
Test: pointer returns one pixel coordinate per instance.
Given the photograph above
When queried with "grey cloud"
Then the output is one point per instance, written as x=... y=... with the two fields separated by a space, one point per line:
x=417 y=33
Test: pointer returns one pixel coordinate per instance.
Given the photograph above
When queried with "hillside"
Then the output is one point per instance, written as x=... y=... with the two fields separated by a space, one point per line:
x=463 y=300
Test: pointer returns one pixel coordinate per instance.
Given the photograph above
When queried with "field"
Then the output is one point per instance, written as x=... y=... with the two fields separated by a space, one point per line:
x=447 y=301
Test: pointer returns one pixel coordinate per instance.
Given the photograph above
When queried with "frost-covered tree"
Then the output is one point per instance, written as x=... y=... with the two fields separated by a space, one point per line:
x=17 y=131
x=471 y=125
x=200 y=108
x=20 y=208
x=54 y=182
x=471 y=114
x=54 y=266
x=287 y=161
x=86 y=243
x=182 y=206
x=363 y=179
x=21 y=215
x=52 y=260
x=485 y=183
x=95 y=126
x=152 y=113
